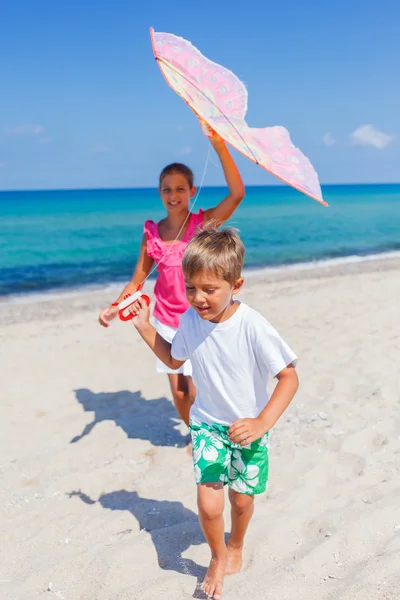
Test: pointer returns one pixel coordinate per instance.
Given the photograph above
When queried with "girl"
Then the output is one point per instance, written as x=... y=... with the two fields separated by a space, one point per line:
x=166 y=242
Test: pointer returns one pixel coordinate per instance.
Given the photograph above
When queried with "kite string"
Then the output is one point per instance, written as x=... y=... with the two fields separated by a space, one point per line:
x=155 y=267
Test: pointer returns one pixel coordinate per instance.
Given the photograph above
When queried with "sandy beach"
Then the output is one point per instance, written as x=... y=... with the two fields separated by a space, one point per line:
x=98 y=497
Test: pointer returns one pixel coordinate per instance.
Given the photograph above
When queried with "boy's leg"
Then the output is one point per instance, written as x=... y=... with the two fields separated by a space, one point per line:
x=242 y=508
x=248 y=475
x=210 y=500
x=182 y=393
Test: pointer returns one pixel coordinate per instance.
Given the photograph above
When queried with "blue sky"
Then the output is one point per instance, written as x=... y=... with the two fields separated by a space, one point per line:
x=83 y=103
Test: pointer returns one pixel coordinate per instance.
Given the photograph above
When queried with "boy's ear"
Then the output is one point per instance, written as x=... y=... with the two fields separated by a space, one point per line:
x=238 y=285
x=193 y=191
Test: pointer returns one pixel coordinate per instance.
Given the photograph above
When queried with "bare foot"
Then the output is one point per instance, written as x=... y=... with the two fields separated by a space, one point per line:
x=234 y=562
x=212 y=584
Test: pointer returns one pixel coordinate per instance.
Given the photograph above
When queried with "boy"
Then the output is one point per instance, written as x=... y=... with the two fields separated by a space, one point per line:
x=233 y=350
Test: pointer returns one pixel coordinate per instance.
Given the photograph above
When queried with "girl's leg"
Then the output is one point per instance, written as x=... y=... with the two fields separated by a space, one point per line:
x=242 y=508
x=210 y=500
x=182 y=393
x=192 y=390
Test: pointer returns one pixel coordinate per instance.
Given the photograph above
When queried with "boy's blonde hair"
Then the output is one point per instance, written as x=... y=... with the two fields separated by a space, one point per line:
x=219 y=251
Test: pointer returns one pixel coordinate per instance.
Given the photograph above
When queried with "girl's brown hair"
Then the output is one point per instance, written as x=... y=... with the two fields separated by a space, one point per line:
x=179 y=168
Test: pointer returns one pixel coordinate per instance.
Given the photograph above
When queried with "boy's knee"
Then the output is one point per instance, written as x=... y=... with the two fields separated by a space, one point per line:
x=209 y=512
x=210 y=507
x=240 y=502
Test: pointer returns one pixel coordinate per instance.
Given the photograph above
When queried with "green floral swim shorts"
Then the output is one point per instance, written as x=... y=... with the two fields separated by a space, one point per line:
x=216 y=458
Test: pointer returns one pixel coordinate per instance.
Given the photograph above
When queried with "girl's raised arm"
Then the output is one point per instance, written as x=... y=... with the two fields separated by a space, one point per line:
x=225 y=209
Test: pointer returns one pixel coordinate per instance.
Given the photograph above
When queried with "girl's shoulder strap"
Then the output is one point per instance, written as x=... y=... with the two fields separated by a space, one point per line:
x=154 y=244
x=150 y=229
x=196 y=221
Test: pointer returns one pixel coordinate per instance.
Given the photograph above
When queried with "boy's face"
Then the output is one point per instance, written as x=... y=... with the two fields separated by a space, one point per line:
x=176 y=192
x=210 y=296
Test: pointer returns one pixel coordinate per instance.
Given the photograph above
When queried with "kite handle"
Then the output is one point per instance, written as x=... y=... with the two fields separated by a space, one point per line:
x=128 y=300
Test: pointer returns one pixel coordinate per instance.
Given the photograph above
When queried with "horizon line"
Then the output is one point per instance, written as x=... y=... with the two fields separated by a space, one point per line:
x=99 y=189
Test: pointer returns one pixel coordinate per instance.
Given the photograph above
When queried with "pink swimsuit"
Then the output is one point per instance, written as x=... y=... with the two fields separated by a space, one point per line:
x=170 y=286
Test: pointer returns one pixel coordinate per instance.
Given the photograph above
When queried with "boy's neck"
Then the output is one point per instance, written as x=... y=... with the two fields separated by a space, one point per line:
x=227 y=313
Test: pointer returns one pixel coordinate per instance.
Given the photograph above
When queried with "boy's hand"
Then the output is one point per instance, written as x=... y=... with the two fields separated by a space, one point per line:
x=246 y=431
x=141 y=313
x=107 y=315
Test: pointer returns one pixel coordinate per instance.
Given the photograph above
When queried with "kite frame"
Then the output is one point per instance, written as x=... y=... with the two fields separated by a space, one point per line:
x=159 y=59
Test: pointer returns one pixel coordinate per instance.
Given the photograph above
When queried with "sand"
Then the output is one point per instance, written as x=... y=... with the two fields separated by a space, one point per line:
x=98 y=499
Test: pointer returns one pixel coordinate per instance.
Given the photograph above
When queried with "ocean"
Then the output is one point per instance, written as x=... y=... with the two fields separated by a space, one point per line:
x=53 y=240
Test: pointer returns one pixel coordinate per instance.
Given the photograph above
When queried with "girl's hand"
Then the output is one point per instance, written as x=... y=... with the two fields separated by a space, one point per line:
x=212 y=135
x=141 y=314
x=246 y=431
x=107 y=315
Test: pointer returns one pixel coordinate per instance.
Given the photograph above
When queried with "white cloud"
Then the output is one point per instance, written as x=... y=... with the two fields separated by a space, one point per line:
x=45 y=140
x=24 y=130
x=180 y=128
x=2 y=164
x=368 y=135
x=187 y=150
x=328 y=139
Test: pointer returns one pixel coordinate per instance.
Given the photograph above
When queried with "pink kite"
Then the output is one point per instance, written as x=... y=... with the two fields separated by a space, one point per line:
x=219 y=98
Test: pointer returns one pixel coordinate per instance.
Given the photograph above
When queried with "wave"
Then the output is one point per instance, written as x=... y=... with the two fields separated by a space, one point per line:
x=114 y=286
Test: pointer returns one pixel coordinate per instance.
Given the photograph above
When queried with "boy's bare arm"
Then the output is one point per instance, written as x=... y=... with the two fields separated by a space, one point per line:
x=283 y=394
x=245 y=431
x=160 y=347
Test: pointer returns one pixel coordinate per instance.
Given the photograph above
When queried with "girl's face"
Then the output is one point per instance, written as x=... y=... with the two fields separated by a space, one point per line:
x=176 y=193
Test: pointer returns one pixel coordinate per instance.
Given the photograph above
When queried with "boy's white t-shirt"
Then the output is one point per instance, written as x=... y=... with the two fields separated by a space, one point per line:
x=231 y=363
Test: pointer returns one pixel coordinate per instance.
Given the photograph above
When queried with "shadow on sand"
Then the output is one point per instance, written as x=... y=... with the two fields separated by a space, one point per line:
x=172 y=527
x=153 y=420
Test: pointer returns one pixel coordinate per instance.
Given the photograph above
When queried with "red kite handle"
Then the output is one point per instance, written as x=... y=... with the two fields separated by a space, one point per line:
x=128 y=300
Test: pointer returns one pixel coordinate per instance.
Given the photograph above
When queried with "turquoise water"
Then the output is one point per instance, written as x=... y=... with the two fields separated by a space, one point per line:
x=62 y=239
